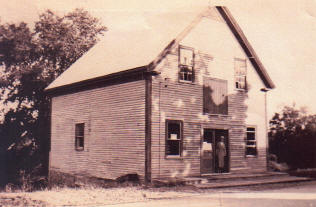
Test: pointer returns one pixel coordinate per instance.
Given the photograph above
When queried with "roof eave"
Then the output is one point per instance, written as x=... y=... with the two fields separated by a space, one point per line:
x=92 y=81
x=241 y=38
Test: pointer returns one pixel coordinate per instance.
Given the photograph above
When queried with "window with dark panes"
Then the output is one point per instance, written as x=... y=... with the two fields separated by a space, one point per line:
x=251 y=142
x=173 y=137
x=186 y=64
x=240 y=73
x=79 y=137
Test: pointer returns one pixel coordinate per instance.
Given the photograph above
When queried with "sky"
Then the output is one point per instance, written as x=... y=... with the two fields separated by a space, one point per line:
x=283 y=34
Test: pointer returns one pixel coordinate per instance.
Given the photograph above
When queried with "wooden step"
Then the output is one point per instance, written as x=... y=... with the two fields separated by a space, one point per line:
x=232 y=180
x=224 y=183
x=242 y=176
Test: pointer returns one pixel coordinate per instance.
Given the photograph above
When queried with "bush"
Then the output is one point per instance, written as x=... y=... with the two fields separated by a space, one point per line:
x=292 y=138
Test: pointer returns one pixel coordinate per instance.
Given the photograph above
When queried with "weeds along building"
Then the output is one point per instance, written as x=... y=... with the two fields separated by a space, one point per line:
x=157 y=101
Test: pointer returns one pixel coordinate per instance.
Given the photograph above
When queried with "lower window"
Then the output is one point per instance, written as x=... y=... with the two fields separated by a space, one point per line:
x=251 y=142
x=174 y=137
x=79 y=137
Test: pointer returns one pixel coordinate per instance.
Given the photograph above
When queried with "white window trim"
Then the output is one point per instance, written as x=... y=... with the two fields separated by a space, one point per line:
x=192 y=66
x=243 y=76
x=77 y=147
x=255 y=141
x=180 y=139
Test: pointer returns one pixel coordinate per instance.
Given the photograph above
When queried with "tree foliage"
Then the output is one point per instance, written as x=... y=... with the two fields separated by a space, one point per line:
x=292 y=137
x=29 y=61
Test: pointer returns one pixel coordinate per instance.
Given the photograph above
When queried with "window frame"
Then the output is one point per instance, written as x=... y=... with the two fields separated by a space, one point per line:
x=243 y=76
x=180 y=122
x=181 y=66
x=255 y=141
x=79 y=136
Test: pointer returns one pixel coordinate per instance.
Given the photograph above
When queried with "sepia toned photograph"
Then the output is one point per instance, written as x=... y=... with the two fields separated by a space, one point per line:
x=158 y=103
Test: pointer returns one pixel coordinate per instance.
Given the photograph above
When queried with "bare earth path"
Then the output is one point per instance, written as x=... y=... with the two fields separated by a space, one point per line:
x=298 y=195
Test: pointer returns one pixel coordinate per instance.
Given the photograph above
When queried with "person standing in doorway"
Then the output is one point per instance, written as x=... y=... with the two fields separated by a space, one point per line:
x=221 y=153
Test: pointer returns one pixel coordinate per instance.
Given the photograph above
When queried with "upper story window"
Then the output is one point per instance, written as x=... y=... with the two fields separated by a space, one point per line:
x=79 y=137
x=251 y=142
x=174 y=137
x=186 y=64
x=240 y=73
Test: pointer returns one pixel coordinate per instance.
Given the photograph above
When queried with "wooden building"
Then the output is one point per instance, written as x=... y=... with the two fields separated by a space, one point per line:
x=158 y=102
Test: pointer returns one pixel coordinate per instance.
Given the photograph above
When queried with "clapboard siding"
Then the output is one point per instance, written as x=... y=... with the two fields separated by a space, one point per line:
x=114 y=118
x=114 y=115
x=184 y=101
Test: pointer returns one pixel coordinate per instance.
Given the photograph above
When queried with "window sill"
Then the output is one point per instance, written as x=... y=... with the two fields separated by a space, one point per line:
x=79 y=149
x=173 y=157
x=251 y=156
x=187 y=82
x=240 y=90
x=218 y=115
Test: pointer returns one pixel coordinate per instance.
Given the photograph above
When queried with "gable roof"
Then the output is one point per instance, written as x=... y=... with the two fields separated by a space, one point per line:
x=145 y=46
x=252 y=56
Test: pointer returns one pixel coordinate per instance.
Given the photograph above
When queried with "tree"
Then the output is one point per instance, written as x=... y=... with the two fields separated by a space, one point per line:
x=292 y=137
x=29 y=61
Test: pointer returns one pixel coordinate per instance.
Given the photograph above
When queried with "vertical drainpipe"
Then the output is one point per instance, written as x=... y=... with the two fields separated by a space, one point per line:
x=159 y=111
x=265 y=90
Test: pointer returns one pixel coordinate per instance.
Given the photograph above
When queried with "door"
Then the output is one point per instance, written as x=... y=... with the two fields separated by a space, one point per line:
x=207 y=152
x=215 y=151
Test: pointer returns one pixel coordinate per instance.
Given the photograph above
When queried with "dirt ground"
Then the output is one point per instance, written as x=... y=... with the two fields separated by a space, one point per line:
x=92 y=196
x=87 y=196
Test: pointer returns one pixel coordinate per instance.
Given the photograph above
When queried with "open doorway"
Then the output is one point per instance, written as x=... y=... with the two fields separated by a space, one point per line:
x=215 y=151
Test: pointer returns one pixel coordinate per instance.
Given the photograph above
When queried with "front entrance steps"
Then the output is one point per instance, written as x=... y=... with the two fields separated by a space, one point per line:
x=225 y=180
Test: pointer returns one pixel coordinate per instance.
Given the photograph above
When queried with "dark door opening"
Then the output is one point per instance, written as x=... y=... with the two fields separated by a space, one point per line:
x=215 y=151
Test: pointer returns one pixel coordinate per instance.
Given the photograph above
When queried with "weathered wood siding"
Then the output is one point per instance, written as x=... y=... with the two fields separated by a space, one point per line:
x=114 y=141
x=215 y=50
